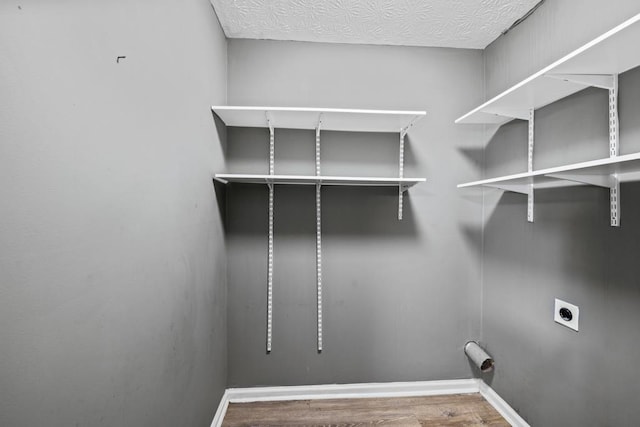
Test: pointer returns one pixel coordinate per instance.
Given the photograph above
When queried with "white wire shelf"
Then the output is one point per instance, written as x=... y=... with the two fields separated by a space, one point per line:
x=593 y=172
x=405 y=183
x=593 y=64
x=308 y=118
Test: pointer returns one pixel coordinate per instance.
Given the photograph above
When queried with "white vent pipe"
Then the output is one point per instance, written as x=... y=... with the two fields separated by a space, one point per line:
x=478 y=356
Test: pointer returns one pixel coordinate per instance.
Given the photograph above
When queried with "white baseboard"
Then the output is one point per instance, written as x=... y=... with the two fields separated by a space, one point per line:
x=359 y=391
x=222 y=410
x=355 y=391
x=507 y=412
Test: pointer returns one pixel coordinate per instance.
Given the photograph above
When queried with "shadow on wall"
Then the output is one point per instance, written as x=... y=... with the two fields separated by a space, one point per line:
x=219 y=188
x=346 y=211
x=564 y=235
x=476 y=153
x=487 y=377
x=341 y=153
x=221 y=130
x=473 y=235
x=628 y=106
x=220 y=191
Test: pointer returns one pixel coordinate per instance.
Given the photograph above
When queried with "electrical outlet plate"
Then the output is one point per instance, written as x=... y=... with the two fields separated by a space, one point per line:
x=564 y=320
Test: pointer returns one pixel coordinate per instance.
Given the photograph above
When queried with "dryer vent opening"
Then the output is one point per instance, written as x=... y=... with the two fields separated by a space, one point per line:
x=478 y=356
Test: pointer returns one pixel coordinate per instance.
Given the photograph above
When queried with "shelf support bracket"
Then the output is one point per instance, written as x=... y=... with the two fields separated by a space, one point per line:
x=270 y=250
x=319 y=238
x=602 y=81
x=401 y=189
x=511 y=114
x=606 y=181
x=514 y=188
x=530 y=163
x=614 y=149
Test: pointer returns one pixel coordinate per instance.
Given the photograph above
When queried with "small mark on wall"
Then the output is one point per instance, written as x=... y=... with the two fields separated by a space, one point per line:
x=119 y=58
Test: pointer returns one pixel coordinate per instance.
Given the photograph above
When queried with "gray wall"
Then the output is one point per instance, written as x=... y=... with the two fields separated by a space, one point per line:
x=112 y=257
x=554 y=30
x=552 y=375
x=401 y=298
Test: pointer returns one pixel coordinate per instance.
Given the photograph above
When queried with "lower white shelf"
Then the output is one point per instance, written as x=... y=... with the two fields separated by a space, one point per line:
x=593 y=172
x=405 y=183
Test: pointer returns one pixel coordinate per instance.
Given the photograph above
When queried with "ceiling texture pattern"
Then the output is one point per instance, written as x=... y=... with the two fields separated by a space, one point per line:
x=441 y=23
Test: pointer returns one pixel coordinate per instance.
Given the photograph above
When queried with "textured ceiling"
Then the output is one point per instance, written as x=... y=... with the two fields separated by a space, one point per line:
x=444 y=23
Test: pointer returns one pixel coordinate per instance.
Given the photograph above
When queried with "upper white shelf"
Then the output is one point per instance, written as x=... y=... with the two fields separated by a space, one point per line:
x=594 y=172
x=614 y=52
x=308 y=118
x=312 y=180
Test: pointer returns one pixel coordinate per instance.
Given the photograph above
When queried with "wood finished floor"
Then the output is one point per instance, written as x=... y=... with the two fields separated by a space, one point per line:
x=453 y=410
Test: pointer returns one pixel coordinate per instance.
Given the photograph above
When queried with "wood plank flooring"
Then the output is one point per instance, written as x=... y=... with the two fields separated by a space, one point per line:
x=452 y=410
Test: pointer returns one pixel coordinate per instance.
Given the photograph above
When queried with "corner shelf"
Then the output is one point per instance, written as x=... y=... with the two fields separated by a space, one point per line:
x=596 y=64
x=316 y=119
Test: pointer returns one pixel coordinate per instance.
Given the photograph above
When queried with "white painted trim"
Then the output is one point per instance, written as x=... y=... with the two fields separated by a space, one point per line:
x=222 y=410
x=353 y=391
x=360 y=391
x=507 y=412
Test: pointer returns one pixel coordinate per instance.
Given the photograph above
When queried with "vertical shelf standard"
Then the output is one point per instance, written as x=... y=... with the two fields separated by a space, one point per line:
x=270 y=249
x=318 y=238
